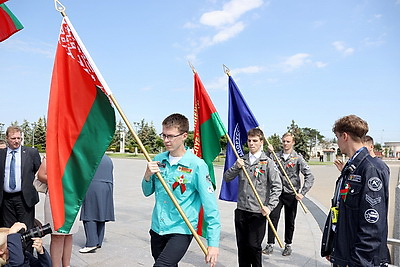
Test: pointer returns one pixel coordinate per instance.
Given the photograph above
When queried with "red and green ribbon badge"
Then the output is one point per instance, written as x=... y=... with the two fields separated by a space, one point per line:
x=258 y=172
x=344 y=191
x=180 y=181
x=290 y=165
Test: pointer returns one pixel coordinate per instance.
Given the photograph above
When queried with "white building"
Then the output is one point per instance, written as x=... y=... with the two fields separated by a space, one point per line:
x=392 y=149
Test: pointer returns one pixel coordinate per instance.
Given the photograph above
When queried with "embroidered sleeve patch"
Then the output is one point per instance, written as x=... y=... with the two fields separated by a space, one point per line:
x=371 y=215
x=373 y=201
x=374 y=184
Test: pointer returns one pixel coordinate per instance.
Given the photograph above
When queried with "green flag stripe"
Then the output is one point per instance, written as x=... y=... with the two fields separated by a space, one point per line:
x=86 y=155
x=18 y=25
x=211 y=132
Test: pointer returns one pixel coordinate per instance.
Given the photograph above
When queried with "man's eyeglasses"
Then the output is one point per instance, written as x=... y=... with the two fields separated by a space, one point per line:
x=169 y=136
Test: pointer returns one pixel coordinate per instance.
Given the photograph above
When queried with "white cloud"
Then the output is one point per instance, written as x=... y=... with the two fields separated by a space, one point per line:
x=296 y=61
x=320 y=64
x=249 y=69
x=228 y=33
x=378 y=16
x=230 y=12
x=341 y=47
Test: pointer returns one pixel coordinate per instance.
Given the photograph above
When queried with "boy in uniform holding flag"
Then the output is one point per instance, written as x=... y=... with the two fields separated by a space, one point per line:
x=189 y=180
x=250 y=223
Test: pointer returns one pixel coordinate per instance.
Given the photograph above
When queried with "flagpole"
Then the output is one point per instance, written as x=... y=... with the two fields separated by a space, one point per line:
x=227 y=72
x=255 y=191
x=287 y=177
x=59 y=7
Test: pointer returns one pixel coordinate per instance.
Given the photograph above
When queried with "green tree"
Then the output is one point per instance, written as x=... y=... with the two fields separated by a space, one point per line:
x=148 y=135
x=300 y=138
x=26 y=129
x=40 y=134
x=190 y=139
x=275 y=141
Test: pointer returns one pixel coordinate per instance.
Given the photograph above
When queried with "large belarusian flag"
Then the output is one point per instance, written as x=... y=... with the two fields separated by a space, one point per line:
x=81 y=124
x=240 y=121
x=9 y=24
x=208 y=130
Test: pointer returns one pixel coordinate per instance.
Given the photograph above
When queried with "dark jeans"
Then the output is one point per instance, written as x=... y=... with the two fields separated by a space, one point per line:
x=168 y=250
x=290 y=203
x=250 y=231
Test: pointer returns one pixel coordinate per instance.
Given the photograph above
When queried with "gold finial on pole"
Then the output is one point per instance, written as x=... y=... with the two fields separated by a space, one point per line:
x=192 y=67
x=226 y=70
x=60 y=7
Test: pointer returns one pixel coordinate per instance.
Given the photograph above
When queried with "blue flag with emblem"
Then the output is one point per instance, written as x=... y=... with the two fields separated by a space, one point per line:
x=240 y=121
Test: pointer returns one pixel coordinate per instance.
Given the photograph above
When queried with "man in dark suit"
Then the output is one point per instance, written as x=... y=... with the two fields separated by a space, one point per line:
x=18 y=167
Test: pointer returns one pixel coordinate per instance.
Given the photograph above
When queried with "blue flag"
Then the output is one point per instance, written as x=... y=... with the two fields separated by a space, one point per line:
x=240 y=121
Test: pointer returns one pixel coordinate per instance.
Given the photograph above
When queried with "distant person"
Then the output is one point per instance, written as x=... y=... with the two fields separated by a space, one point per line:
x=250 y=221
x=3 y=144
x=13 y=253
x=356 y=229
x=188 y=177
x=18 y=167
x=293 y=163
x=60 y=243
x=98 y=206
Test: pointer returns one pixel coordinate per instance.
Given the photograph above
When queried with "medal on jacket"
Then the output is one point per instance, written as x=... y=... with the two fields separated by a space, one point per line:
x=180 y=181
x=344 y=191
x=258 y=172
x=290 y=165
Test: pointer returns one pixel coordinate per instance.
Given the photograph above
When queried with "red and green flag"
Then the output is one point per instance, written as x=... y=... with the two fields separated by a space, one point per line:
x=81 y=124
x=9 y=24
x=208 y=130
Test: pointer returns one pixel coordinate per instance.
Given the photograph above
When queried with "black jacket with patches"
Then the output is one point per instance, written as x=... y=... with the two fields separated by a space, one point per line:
x=360 y=234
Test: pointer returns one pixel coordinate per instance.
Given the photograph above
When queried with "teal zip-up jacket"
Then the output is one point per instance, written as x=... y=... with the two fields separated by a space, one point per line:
x=190 y=183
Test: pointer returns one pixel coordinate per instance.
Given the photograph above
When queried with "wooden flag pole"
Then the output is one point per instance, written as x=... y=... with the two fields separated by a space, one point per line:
x=227 y=72
x=159 y=176
x=255 y=192
x=60 y=8
x=287 y=178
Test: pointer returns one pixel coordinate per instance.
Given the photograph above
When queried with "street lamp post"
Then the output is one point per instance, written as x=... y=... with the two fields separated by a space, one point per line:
x=33 y=133
x=1 y=130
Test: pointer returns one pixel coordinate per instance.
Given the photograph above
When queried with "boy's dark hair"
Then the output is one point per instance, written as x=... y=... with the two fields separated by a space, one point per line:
x=368 y=139
x=256 y=132
x=353 y=125
x=177 y=120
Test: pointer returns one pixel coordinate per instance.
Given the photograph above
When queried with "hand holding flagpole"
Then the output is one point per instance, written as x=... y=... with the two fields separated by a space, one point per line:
x=60 y=8
x=287 y=177
x=227 y=72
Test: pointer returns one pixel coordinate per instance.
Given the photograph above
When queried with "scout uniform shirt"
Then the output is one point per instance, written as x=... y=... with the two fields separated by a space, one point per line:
x=191 y=185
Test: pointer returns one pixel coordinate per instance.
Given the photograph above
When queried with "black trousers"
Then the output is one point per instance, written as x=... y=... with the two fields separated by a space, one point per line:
x=168 y=250
x=289 y=202
x=250 y=231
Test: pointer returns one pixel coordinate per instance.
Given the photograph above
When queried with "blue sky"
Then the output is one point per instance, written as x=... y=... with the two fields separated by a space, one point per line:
x=307 y=61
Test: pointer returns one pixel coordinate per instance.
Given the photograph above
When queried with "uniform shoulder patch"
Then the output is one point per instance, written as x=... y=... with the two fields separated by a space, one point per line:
x=374 y=184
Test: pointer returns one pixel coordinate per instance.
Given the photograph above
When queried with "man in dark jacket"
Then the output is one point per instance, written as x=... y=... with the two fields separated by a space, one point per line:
x=356 y=229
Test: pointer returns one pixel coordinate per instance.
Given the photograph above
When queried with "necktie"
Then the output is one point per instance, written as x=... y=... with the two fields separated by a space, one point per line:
x=12 y=183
